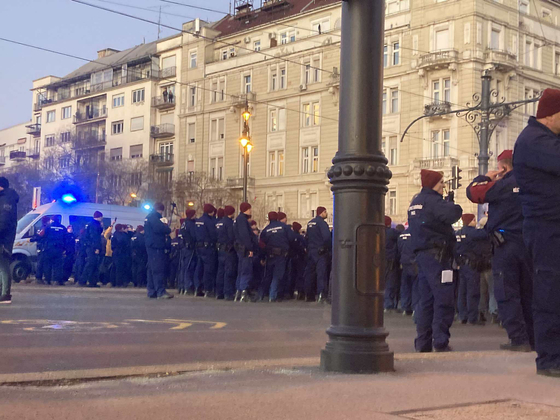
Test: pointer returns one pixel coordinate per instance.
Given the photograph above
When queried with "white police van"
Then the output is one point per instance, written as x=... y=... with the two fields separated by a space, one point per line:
x=24 y=256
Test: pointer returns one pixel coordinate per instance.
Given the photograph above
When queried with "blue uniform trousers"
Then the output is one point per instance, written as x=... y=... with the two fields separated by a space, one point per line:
x=139 y=271
x=188 y=270
x=206 y=268
x=157 y=261
x=513 y=289
x=408 y=278
x=122 y=270
x=227 y=273
x=317 y=268
x=435 y=309
x=39 y=271
x=53 y=265
x=244 y=272
x=543 y=241
x=5 y=275
x=298 y=269
x=392 y=285
x=91 y=269
x=469 y=293
x=275 y=271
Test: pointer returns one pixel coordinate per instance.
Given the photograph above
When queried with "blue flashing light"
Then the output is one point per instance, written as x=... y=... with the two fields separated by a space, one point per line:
x=147 y=207
x=68 y=198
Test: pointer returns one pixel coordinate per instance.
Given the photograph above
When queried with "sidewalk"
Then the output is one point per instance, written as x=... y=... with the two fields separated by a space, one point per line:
x=459 y=386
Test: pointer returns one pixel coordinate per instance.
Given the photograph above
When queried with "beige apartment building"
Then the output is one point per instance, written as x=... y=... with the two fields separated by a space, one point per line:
x=14 y=145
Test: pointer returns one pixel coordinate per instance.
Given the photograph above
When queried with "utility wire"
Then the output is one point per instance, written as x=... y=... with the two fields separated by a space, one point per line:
x=195 y=7
x=144 y=8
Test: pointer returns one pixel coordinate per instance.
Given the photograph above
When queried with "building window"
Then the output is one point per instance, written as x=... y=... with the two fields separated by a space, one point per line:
x=273 y=120
x=217 y=168
x=288 y=36
x=224 y=54
x=276 y=163
x=65 y=137
x=441 y=144
x=393 y=151
x=49 y=140
x=137 y=123
x=385 y=56
x=136 y=179
x=192 y=96
x=310 y=159
x=136 y=151
x=51 y=116
x=116 y=154
x=307 y=205
x=441 y=91
x=247 y=83
x=192 y=62
x=190 y=168
x=392 y=202
x=495 y=39
x=117 y=127
x=283 y=83
x=384 y=103
x=394 y=101
x=524 y=6
x=257 y=45
x=217 y=129
x=137 y=96
x=64 y=162
x=557 y=64
x=274 y=80
x=191 y=132
x=311 y=114
x=166 y=150
x=271 y=163
x=118 y=100
x=66 y=112
x=396 y=53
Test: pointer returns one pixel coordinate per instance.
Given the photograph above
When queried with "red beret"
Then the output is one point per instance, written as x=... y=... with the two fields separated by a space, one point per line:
x=97 y=215
x=221 y=213
x=320 y=210
x=296 y=227
x=253 y=222
x=209 y=208
x=272 y=216
x=282 y=215
x=388 y=221
x=229 y=210
x=190 y=213
x=181 y=221
x=467 y=218
x=506 y=154
x=139 y=228
x=244 y=207
x=430 y=178
x=549 y=104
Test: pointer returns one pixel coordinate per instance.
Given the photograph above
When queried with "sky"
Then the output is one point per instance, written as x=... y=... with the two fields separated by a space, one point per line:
x=77 y=29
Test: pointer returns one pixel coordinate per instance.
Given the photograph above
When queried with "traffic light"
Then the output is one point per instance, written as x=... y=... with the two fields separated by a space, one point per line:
x=455 y=178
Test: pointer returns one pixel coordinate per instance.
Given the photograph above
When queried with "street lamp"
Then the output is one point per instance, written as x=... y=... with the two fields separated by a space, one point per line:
x=190 y=204
x=245 y=142
x=133 y=195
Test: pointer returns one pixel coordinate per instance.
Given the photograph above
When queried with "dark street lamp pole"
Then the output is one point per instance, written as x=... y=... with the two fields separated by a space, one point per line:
x=359 y=178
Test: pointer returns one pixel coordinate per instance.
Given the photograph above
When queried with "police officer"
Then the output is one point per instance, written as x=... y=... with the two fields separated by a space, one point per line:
x=174 y=259
x=70 y=253
x=55 y=240
x=188 y=255
x=392 y=279
x=319 y=246
x=227 y=257
x=430 y=219
x=298 y=260
x=80 y=251
x=536 y=163
x=511 y=264
x=156 y=233
x=139 y=257
x=38 y=238
x=409 y=276
x=246 y=247
x=8 y=223
x=122 y=255
x=94 y=251
x=206 y=238
x=470 y=245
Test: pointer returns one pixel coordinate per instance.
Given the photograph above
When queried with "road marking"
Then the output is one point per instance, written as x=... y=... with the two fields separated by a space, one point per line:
x=182 y=323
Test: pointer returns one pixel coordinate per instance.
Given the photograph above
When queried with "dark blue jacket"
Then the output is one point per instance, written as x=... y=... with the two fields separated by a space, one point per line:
x=391 y=249
x=406 y=251
x=504 y=204
x=430 y=220
x=93 y=239
x=244 y=236
x=298 y=246
x=70 y=243
x=318 y=235
x=536 y=164
x=138 y=246
x=225 y=231
x=8 y=219
x=206 y=229
x=121 y=244
x=471 y=242
x=188 y=233
x=277 y=235
x=155 y=231
x=55 y=237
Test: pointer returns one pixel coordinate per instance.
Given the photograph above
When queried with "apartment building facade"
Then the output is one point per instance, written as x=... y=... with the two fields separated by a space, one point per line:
x=14 y=145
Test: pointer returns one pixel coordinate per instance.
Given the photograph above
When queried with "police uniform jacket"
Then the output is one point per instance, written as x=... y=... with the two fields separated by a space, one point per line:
x=155 y=231
x=70 y=244
x=430 y=219
x=406 y=251
x=8 y=219
x=121 y=244
x=504 y=204
x=244 y=236
x=536 y=164
x=318 y=235
x=138 y=246
x=471 y=243
x=188 y=233
x=206 y=229
x=277 y=235
x=93 y=239
x=55 y=237
x=391 y=239
x=224 y=228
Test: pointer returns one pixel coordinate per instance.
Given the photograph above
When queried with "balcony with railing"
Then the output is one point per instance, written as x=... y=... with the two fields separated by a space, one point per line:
x=93 y=114
x=237 y=183
x=18 y=155
x=163 y=102
x=84 y=141
x=34 y=129
x=162 y=131
x=435 y=163
x=162 y=159
x=437 y=107
x=502 y=60
x=167 y=72
x=33 y=153
x=239 y=101
x=437 y=59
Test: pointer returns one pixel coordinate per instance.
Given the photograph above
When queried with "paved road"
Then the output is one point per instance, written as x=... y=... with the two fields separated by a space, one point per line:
x=67 y=328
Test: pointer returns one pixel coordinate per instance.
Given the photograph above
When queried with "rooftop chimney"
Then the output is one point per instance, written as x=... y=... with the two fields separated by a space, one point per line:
x=106 y=52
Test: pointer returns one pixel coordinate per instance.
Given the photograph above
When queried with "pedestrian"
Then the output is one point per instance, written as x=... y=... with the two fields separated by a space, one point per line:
x=409 y=276
x=69 y=253
x=174 y=259
x=227 y=257
x=139 y=257
x=122 y=255
x=206 y=238
x=430 y=219
x=246 y=248
x=536 y=165
x=469 y=257
x=511 y=264
x=170 y=97
x=488 y=307
x=319 y=246
x=80 y=251
x=8 y=222
x=38 y=239
x=164 y=94
x=94 y=251
x=55 y=245
x=298 y=260
x=392 y=279
x=107 y=267
x=156 y=233
x=188 y=257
